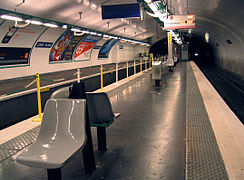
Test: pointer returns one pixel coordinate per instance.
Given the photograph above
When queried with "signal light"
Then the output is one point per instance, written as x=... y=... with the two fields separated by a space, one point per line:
x=26 y=55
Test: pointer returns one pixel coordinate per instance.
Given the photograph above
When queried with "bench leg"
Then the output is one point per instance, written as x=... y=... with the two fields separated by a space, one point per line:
x=87 y=159
x=54 y=174
x=101 y=139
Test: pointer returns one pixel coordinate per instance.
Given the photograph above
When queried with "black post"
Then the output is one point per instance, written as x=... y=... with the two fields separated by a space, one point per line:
x=101 y=139
x=54 y=174
x=77 y=91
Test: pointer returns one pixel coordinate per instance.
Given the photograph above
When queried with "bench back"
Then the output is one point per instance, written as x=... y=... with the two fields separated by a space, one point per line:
x=62 y=93
x=64 y=119
x=99 y=107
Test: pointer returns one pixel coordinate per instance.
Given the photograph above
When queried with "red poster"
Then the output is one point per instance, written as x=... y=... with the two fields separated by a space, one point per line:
x=83 y=51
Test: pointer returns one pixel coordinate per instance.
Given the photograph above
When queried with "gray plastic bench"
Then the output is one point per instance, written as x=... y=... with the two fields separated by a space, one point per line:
x=59 y=138
x=100 y=112
x=101 y=115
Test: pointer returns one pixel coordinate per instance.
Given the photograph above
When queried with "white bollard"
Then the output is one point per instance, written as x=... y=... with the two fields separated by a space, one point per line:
x=134 y=66
x=117 y=72
x=78 y=75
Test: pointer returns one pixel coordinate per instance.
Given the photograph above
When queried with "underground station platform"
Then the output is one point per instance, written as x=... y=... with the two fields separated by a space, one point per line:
x=180 y=129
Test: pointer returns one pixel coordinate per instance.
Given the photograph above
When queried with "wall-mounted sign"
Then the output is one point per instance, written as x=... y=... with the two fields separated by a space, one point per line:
x=169 y=38
x=120 y=11
x=97 y=47
x=207 y=37
x=179 y=22
x=44 y=45
x=16 y=43
x=12 y=55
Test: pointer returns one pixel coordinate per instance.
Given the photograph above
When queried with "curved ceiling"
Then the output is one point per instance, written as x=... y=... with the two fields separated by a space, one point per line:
x=68 y=11
x=222 y=19
x=211 y=15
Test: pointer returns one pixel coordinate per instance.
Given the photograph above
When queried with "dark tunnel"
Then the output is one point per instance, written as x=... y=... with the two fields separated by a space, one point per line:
x=199 y=50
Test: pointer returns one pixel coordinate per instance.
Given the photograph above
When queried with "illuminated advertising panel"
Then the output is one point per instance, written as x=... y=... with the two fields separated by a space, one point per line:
x=16 y=43
x=64 y=47
x=84 y=49
x=105 y=49
x=12 y=55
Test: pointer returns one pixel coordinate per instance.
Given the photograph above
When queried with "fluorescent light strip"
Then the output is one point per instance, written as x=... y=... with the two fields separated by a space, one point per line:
x=148 y=1
x=12 y=18
x=93 y=33
x=34 y=22
x=153 y=7
x=75 y=29
x=85 y=31
x=50 y=25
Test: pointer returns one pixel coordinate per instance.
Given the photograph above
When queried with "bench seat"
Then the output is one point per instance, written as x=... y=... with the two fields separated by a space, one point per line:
x=105 y=123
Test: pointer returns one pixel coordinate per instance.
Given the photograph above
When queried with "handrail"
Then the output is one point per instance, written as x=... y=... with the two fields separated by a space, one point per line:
x=22 y=91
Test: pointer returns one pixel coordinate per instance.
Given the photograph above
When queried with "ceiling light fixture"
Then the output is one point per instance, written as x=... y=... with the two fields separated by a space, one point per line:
x=50 y=25
x=12 y=18
x=85 y=31
x=75 y=30
x=93 y=33
x=34 y=22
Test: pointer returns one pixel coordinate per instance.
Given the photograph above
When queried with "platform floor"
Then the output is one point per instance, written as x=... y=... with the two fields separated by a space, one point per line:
x=149 y=140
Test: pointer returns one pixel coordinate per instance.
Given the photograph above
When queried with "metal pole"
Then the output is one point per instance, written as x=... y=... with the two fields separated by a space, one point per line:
x=170 y=61
x=101 y=77
x=150 y=59
x=145 y=63
x=39 y=118
x=141 y=65
x=117 y=72
x=134 y=66
x=127 y=70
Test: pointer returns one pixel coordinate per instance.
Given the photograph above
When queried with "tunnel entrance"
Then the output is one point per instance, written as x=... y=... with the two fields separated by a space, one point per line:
x=159 y=48
x=199 y=51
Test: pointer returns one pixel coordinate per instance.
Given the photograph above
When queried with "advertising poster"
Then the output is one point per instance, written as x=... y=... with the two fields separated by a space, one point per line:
x=64 y=47
x=16 y=43
x=83 y=50
x=105 y=49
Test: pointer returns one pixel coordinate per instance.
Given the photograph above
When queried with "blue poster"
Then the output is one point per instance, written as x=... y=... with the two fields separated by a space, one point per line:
x=105 y=49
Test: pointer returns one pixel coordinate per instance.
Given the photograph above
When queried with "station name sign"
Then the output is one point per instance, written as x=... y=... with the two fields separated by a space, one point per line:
x=44 y=45
x=179 y=22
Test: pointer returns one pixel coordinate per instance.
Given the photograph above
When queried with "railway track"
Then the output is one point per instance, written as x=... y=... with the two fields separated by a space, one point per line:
x=229 y=86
